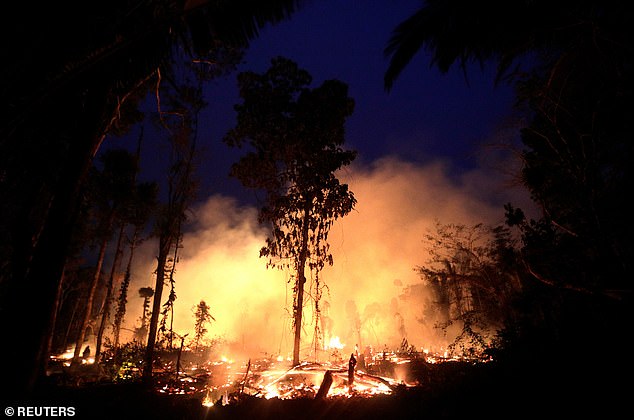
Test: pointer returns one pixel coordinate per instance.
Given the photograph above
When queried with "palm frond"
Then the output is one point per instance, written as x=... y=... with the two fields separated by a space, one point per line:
x=463 y=31
x=236 y=22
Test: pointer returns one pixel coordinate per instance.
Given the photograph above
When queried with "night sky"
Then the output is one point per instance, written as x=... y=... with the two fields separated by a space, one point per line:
x=425 y=117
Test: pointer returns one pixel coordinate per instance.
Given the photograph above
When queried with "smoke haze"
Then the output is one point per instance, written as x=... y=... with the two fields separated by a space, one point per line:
x=368 y=300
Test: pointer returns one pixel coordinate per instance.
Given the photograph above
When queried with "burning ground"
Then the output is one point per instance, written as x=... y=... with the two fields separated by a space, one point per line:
x=205 y=386
x=268 y=389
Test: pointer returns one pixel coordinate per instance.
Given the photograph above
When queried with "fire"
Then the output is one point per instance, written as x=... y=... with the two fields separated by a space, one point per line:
x=374 y=297
x=227 y=380
x=306 y=380
x=335 y=343
x=224 y=381
x=66 y=357
x=207 y=401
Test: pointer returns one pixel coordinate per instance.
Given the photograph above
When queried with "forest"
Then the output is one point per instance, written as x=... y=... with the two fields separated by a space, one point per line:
x=539 y=306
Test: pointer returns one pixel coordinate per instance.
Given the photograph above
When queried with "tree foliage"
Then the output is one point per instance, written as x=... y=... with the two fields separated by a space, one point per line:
x=473 y=280
x=295 y=136
x=140 y=332
x=572 y=65
x=111 y=190
x=180 y=117
x=140 y=210
x=571 y=62
x=202 y=316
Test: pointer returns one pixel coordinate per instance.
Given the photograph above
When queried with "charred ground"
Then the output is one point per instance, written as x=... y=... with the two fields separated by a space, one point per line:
x=571 y=385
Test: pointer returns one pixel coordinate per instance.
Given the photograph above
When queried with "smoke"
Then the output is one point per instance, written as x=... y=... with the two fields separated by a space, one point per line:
x=219 y=264
x=368 y=300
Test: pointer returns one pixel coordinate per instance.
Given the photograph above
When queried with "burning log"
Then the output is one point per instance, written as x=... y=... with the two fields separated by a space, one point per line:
x=325 y=385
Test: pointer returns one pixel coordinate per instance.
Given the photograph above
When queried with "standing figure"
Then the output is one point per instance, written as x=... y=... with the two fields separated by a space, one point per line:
x=351 y=364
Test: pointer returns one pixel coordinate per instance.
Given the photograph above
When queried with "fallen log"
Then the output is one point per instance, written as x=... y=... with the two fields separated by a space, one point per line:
x=378 y=378
x=325 y=385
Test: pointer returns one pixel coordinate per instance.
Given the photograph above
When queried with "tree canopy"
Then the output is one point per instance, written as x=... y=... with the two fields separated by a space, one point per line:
x=295 y=135
x=571 y=63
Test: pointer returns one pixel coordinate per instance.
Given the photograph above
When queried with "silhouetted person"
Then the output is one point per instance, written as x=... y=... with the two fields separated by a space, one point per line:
x=86 y=353
x=351 y=364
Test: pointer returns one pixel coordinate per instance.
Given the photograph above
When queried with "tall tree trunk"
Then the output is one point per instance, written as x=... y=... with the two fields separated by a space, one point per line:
x=172 y=326
x=70 y=324
x=107 y=303
x=164 y=249
x=53 y=321
x=123 y=295
x=172 y=293
x=81 y=334
x=301 y=280
x=180 y=192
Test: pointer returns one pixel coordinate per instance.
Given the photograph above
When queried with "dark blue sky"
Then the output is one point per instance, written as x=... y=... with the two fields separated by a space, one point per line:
x=426 y=116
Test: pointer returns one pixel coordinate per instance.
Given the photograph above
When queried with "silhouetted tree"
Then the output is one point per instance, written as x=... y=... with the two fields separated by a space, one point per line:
x=146 y=294
x=110 y=284
x=571 y=62
x=168 y=306
x=472 y=285
x=140 y=209
x=572 y=65
x=202 y=315
x=113 y=185
x=60 y=100
x=295 y=135
x=180 y=117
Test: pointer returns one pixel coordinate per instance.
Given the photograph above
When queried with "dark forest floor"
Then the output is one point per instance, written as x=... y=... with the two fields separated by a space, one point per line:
x=552 y=389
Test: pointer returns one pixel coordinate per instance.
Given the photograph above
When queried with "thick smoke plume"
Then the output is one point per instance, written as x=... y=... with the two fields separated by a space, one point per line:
x=367 y=302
